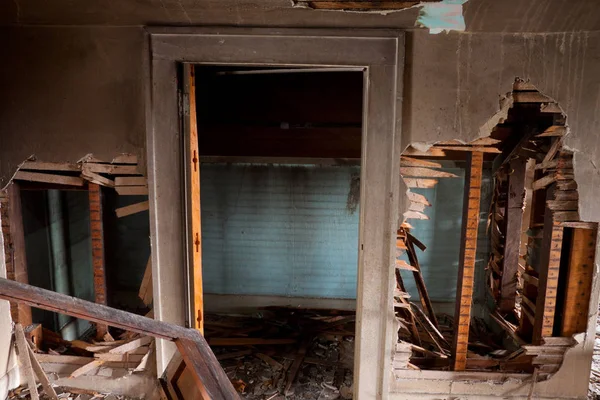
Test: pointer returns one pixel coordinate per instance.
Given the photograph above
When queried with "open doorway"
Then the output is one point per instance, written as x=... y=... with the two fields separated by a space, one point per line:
x=278 y=165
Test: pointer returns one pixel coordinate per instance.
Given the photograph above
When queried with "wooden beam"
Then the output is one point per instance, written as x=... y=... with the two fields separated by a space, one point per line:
x=97 y=236
x=132 y=209
x=96 y=178
x=420 y=282
x=112 y=169
x=42 y=377
x=49 y=166
x=550 y=254
x=478 y=149
x=580 y=276
x=468 y=248
x=196 y=352
x=14 y=248
x=131 y=181
x=415 y=162
x=132 y=190
x=146 y=290
x=49 y=178
x=25 y=360
x=425 y=172
x=513 y=218
x=195 y=229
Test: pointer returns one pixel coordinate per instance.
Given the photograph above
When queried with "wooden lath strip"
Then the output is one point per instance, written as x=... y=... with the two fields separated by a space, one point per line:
x=468 y=248
x=548 y=280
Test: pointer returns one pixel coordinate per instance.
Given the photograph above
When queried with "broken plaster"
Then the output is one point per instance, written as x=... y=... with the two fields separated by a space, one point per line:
x=305 y=4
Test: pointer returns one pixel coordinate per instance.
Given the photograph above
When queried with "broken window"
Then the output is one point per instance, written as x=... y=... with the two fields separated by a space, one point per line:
x=497 y=220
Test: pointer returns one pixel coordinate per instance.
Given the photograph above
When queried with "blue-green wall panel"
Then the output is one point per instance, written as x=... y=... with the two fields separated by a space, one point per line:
x=286 y=230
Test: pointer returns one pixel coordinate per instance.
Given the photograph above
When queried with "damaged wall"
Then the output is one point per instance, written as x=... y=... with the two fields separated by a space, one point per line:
x=68 y=91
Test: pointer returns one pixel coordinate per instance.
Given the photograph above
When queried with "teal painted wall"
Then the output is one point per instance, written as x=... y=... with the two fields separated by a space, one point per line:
x=286 y=230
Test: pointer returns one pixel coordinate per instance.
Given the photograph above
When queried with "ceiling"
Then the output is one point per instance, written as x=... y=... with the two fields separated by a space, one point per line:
x=480 y=15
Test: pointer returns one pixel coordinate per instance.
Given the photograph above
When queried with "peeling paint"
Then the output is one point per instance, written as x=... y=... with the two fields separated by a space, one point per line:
x=442 y=17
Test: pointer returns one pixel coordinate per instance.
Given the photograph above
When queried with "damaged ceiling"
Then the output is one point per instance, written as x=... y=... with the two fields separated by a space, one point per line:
x=480 y=15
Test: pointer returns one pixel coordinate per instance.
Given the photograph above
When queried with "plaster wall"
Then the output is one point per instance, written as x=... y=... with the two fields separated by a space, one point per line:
x=69 y=91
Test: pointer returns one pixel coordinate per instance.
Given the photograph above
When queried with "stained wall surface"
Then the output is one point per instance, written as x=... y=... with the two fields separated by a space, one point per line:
x=69 y=91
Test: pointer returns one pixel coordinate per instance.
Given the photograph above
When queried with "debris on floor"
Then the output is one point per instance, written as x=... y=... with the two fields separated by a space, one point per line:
x=286 y=353
x=57 y=363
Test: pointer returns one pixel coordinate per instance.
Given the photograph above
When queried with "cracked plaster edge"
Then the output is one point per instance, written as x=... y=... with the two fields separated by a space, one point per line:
x=301 y=4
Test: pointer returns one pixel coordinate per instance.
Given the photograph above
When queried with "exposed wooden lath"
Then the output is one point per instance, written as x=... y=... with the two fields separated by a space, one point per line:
x=359 y=5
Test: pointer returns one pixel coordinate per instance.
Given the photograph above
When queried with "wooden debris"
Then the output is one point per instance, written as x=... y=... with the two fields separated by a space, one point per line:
x=291 y=377
x=420 y=183
x=555 y=130
x=425 y=172
x=479 y=149
x=91 y=366
x=132 y=209
x=530 y=97
x=415 y=162
x=146 y=291
x=49 y=166
x=132 y=190
x=96 y=178
x=111 y=169
x=130 y=346
x=25 y=361
x=485 y=141
x=49 y=178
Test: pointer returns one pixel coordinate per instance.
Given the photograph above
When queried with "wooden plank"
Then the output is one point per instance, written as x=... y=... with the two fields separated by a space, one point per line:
x=579 y=281
x=579 y=224
x=550 y=255
x=530 y=97
x=96 y=178
x=468 y=248
x=132 y=190
x=485 y=141
x=212 y=378
x=544 y=182
x=415 y=162
x=552 y=108
x=25 y=368
x=562 y=205
x=97 y=239
x=212 y=386
x=425 y=172
x=560 y=216
x=84 y=369
x=554 y=130
x=420 y=282
x=111 y=169
x=195 y=239
x=131 y=181
x=15 y=254
x=478 y=149
x=417 y=198
x=415 y=215
x=513 y=217
x=49 y=178
x=132 y=209
x=559 y=163
x=39 y=371
x=125 y=158
x=146 y=290
x=295 y=368
x=420 y=183
x=520 y=85
x=130 y=346
x=49 y=166
x=556 y=146
x=60 y=359
x=431 y=152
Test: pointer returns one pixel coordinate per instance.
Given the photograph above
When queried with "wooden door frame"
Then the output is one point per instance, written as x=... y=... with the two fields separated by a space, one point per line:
x=381 y=54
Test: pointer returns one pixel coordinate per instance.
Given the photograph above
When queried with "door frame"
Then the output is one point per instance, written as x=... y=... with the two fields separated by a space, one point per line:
x=381 y=54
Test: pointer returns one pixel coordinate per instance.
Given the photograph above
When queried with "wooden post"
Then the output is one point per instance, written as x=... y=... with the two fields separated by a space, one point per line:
x=14 y=248
x=514 y=219
x=194 y=201
x=579 y=281
x=468 y=248
x=97 y=234
x=550 y=254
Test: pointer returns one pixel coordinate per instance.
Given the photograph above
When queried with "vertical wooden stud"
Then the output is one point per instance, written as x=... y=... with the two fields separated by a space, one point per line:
x=194 y=202
x=514 y=219
x=98 y=266
x=579 y=281
x=468 y=248
x=14 y=247
x=550 y=255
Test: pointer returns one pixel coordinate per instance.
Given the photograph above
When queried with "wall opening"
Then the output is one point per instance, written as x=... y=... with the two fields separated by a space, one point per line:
x=493 y=248
x=279 y=154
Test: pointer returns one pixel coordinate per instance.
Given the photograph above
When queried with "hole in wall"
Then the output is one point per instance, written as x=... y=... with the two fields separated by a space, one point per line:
x=494 y=264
